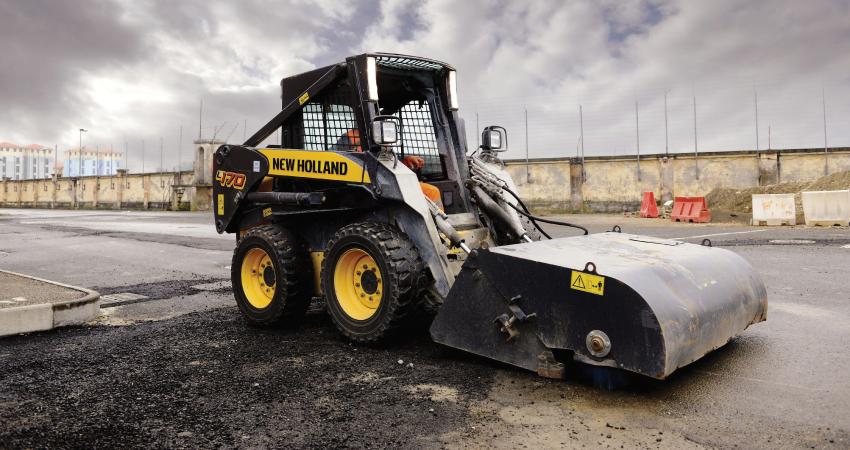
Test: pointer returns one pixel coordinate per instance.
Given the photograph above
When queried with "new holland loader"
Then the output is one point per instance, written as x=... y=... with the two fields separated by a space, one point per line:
x=373 y=202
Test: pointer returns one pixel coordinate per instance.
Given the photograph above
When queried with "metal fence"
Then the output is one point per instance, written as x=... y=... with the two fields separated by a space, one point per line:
x=682 y=119
x=678 y=120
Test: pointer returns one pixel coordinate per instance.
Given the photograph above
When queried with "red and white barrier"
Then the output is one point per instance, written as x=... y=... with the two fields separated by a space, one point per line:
x=690 y=209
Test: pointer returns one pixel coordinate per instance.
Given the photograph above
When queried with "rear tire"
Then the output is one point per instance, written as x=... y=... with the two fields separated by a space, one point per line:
x=371 y=277
x=270 y=277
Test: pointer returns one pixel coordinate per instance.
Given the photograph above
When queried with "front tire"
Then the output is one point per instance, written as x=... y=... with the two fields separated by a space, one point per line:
x=268 y=275
x=371 y=277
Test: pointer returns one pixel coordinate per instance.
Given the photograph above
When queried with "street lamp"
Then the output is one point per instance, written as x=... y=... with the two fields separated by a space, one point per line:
x=81 y=151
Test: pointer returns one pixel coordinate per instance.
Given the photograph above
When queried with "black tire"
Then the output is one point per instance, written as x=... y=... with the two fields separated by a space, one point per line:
x=400 y=267
x=291 y=276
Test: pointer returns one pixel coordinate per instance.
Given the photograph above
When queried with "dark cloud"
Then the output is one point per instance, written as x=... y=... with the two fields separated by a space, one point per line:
x=136 y=70
x=47 y=48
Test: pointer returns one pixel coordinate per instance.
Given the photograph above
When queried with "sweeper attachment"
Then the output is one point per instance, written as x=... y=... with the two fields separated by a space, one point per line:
x=372 y=203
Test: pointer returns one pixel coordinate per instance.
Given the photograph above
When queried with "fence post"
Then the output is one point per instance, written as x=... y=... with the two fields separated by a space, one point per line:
x=146 y=186
x=666 y=169
x=96 y=192
x=122 y=183
x=576 y=183
x=55 y=188
x=637 y=138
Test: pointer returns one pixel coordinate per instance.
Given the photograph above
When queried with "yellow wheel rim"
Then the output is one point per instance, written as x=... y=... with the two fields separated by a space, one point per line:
x=258 y=278
x=358 y=284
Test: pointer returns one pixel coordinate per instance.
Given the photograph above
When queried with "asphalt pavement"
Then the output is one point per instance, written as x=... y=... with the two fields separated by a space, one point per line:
x=170 y=363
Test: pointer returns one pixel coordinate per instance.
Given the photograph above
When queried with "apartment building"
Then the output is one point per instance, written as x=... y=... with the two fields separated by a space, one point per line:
x=22 y=162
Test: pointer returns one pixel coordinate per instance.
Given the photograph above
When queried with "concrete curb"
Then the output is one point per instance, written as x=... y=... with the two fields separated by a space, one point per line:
x=46 y=316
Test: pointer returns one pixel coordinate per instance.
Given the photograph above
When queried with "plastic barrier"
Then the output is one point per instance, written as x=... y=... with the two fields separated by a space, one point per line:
x=690 y=209
x=774 y=209
x=827 y=207
x=648 y=207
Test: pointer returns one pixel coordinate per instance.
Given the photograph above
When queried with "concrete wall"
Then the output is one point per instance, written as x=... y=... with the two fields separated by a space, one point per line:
x=166 y=190
x=142 y=191
x=615 y=184
x=564 y=184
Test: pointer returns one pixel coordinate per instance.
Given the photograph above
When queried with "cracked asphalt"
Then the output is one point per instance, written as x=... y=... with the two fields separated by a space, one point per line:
x=180 y=369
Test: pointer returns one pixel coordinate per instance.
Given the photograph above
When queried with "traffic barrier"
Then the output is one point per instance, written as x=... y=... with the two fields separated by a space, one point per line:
x=648 y=207
x=690 y=209
x=827 y=208
x=774 y=209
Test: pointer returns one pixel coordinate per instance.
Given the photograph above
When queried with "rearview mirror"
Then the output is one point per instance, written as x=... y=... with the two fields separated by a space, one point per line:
x=385 y=130
x=494 y=138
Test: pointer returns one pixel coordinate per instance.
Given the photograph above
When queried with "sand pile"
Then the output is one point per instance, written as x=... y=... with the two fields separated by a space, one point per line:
x=738 y=203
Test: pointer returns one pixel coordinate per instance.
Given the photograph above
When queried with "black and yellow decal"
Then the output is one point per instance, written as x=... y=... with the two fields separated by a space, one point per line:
x=587 y=282
x=303 y=99
x=314 y=164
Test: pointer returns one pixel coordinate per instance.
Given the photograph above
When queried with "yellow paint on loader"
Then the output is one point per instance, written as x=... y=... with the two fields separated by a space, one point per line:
x=317 y=258
x=314 y=164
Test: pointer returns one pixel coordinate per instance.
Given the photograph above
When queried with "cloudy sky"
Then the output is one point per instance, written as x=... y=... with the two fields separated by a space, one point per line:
x=136 y=70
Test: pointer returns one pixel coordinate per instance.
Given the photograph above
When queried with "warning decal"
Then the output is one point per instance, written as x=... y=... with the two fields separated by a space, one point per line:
x=220 y=204
x=587 y=282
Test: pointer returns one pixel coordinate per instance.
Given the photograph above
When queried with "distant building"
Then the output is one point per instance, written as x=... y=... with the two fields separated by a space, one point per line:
x=93 y=162
x=21 y=162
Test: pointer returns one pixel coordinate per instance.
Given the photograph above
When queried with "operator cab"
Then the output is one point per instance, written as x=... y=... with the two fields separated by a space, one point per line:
x=370 y=93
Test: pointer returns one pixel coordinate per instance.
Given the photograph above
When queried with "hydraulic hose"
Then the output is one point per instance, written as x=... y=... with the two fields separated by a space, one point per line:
x=554 y=222
x=496 y=212
x=525 y=208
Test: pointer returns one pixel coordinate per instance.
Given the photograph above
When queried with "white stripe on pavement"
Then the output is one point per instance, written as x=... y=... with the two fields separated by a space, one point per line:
x=720 y=234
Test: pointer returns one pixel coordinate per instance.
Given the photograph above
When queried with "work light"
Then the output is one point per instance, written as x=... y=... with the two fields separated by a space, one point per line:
x=453 y=104
x=372 y=76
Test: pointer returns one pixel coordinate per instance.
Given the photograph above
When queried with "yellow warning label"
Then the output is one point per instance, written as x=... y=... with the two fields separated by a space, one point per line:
x=314 y=164
x=303 y=99
x=587 y=282
x=220 y=204
x=267 y=212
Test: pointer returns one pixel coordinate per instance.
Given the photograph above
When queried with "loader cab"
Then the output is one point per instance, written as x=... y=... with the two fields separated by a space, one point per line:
x=333 y=109
x=422 y=95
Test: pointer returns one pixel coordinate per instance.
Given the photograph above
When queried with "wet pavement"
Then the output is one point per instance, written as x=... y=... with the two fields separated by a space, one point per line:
x=173 y=365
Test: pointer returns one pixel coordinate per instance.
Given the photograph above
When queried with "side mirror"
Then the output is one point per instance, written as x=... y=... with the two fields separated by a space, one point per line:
x=385 y=130
x=494 y=138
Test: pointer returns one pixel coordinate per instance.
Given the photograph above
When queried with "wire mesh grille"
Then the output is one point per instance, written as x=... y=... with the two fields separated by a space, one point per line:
x=329 y=122
x=399 y=62
x=418 y=136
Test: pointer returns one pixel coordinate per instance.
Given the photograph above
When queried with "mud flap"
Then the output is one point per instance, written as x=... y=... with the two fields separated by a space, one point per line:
x=642 y=304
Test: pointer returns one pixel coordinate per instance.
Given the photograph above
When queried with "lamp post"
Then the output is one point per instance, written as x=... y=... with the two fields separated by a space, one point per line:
x=81 y=151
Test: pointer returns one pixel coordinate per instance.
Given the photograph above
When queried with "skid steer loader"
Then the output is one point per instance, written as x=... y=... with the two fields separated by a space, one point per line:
x=372 y=202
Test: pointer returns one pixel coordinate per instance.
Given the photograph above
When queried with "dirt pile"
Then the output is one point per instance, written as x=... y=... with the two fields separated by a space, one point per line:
x=738 y=202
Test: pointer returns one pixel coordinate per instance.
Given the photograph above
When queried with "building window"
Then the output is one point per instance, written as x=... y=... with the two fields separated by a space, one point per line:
x=45 y=188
